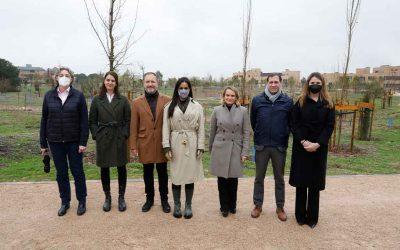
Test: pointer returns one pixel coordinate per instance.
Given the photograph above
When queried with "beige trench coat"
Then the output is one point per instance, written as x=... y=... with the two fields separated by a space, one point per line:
x=229 y=140
x=184 y=134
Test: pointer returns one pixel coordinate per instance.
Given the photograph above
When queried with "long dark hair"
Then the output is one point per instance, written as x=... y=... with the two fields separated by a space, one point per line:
x=103 y=89
x=324 y=94
x=175 y=97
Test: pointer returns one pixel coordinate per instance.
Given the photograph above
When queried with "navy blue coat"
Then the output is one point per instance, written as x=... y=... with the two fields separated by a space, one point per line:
x=64 y=123
x=271 y=121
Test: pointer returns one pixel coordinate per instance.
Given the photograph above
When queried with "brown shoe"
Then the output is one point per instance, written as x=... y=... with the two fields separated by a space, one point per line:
x=256 y=211
x=281 y=214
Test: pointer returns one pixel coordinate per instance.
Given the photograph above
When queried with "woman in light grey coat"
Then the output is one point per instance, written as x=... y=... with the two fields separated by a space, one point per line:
x=229 y=147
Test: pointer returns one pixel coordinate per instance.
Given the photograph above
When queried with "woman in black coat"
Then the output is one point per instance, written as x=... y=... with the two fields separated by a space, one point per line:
x=313 y=120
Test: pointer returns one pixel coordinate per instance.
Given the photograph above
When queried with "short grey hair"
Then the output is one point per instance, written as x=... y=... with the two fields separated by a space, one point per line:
x=71 y=73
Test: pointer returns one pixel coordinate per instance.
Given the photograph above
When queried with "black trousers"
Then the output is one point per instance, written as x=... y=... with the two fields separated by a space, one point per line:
x=148 y=177
x=307 y=204
x=105 y=179
x=66 y=155
x=227 y=188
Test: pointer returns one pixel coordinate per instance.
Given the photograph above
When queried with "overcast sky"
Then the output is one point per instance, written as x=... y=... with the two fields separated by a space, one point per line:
x=201 y=37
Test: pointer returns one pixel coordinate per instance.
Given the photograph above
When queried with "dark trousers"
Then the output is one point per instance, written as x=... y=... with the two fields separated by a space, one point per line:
x=307 y=205
x=105 y=180
x=65 y=154
x=189 y=186
x=227 y=188
x=148 y=177
x=278 y=158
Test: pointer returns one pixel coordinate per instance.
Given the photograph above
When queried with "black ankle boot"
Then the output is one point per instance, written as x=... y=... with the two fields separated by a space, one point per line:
x=121 y=203
x=107 y=202
x=147 y=206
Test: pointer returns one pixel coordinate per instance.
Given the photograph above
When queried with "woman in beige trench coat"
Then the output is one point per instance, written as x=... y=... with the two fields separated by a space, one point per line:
x=229 y=147
x=183 y=142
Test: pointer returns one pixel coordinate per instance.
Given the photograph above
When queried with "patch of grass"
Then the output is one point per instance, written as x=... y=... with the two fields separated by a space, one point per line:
x=20 y=159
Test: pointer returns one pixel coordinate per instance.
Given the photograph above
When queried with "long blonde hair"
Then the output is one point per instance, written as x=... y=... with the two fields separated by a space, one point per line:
x=237 y=102
x=324 y=94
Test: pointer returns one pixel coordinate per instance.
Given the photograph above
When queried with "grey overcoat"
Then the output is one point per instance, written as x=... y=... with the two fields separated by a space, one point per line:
x=229 y=140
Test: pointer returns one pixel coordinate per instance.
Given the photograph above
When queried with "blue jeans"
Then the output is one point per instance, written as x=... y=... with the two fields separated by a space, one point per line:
x=62 y=151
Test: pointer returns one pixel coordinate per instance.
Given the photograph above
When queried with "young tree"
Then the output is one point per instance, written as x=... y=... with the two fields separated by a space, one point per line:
x=114 y=43
x=352 y=13
x=246 y=46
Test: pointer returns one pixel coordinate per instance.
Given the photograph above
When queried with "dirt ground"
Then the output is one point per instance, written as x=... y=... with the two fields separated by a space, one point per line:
x=355 y=212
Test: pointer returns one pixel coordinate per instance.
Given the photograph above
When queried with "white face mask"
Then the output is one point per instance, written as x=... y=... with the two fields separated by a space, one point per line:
x=64 y=81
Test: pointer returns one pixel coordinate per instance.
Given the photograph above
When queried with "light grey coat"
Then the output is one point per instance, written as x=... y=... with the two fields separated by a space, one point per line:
x=229 y=140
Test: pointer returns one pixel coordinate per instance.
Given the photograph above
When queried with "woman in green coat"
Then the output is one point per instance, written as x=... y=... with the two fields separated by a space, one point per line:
x=109 y=121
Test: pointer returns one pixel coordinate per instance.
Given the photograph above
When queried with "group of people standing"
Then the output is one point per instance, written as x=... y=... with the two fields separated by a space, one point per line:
x=158 y=129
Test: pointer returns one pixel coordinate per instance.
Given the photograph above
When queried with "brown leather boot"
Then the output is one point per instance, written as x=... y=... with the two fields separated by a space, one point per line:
x=281 y=214
x=256 y=211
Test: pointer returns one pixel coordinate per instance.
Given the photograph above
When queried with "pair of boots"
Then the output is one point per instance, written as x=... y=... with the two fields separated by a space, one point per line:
x=177 y=203
x=107 y=202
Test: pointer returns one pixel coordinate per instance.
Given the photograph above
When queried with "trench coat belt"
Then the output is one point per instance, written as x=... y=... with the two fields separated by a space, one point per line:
x=113 y=124
x=185 y=139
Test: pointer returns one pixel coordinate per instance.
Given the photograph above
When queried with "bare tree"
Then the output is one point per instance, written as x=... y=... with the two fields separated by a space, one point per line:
x=114 y=44
x=246 y=45
x=352 y=13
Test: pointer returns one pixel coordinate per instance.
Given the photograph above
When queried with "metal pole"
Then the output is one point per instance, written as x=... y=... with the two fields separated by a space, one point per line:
x=352 y=131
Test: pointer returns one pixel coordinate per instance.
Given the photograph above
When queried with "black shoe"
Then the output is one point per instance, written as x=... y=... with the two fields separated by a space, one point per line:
x=301 y=222
x=225 y=213
x=121 y=203
x=232 y=210
x=165 y=206
x=107 y=203
x=177 y=203
x=147 y=206
x=81 y=208
x=312 y=224
x=63 y=209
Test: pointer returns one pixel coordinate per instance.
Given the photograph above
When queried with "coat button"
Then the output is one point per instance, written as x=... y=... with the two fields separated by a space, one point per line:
x=232 y=139
x=223 y=139
x=233 y=132
x=223 y=130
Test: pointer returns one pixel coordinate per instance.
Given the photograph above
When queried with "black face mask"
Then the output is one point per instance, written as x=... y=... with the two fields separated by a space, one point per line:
x=315 y=88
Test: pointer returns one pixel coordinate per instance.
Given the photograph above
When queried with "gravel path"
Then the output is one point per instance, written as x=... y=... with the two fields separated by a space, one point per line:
x=356 y=212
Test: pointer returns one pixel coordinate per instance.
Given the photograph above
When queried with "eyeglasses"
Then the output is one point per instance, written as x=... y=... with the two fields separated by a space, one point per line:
x=276 y=82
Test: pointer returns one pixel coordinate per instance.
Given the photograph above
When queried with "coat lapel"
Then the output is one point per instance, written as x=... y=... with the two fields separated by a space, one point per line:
x=107 y=106
x=160 y=107
x=146 y=106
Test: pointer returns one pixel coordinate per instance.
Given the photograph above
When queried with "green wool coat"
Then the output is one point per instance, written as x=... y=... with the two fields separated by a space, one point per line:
x=109 y=124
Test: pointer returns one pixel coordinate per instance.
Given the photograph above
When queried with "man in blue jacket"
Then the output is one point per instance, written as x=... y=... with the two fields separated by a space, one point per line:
x=64 y=128
x=270 y=119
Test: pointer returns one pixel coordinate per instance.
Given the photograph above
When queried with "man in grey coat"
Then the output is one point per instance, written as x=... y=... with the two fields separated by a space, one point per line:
x=270 y=120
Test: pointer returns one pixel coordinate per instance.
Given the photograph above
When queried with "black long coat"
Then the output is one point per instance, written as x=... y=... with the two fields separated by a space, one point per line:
x=313 y=122
x=109 y=124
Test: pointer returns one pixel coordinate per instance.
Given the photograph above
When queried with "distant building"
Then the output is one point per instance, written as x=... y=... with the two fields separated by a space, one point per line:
x=388 y=75
x=261 y=77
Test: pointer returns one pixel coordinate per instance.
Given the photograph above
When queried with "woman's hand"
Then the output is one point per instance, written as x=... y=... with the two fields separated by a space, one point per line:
x=312 y=147
x=81 y=149
x=243 y=159
x=199 y=153
x=43 y=151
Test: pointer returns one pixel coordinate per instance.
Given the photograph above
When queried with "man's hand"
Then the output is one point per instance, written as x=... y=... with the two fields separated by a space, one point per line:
x=134 y=152
x=168 y=155
x=81 y=149
x=243 y=158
